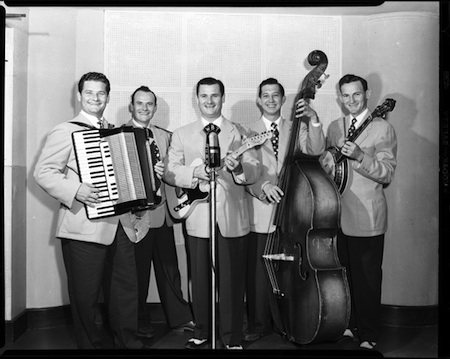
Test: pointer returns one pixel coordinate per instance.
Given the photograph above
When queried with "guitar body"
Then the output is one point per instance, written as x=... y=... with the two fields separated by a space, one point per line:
x=182 y=201
x=337 y=170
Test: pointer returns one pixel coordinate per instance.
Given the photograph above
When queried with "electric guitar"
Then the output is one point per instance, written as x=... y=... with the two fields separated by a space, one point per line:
x=335 y=163
x=182 y=201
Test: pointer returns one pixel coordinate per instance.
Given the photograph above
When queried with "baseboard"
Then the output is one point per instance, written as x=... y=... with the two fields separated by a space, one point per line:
x=37 y=319
x=391 y=315
x=409 y=316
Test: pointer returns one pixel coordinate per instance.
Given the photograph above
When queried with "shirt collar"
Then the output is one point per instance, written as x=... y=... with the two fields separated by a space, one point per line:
x=268 y=123
x=218 y=121
x=136 y=124
x=94 y=120
x=360 y=117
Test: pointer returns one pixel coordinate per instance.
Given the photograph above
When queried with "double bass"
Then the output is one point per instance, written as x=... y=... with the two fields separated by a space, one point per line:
x=310 y=299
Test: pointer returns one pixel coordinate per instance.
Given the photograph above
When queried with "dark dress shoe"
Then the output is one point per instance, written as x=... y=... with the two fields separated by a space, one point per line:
x=189 y=326
x=146 y=332
x=251 y=337
x=194 y=343
x=135 y=343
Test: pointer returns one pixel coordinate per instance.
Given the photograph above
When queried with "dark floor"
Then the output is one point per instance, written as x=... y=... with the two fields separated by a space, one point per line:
x=405 y=342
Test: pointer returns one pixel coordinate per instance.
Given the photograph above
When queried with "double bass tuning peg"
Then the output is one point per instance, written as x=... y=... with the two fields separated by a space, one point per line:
x=322 y=79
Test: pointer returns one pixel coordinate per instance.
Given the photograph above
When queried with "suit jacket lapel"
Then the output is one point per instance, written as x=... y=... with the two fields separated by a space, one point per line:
x=226 y=136
x=199 y=137
x=363 y=135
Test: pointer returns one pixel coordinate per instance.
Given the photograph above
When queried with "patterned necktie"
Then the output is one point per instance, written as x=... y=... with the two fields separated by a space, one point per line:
x=352 y=128
x=100 y=123
x=275 y=138
x=156 y=157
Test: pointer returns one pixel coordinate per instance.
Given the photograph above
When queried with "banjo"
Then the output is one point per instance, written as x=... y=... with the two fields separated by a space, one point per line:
x=335 y=163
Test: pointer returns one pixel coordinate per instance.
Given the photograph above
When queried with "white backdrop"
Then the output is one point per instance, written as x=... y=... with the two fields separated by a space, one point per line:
x=170 y=52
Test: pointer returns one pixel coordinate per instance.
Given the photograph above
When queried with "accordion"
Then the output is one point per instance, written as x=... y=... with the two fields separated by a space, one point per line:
x=120 y=163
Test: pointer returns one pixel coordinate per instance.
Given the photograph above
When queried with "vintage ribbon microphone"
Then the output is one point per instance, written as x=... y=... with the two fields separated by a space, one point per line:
x=213 y=162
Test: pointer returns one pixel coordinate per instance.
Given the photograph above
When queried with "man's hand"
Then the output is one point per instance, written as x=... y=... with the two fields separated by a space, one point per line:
x=273 y=193
x=159 y=169
x=200 y=172
x=353 y=151
x=88 y=194
x=233 y=164
x=302 y=108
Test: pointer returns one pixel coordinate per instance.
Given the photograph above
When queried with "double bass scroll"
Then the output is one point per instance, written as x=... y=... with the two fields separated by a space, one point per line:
x=310 y=300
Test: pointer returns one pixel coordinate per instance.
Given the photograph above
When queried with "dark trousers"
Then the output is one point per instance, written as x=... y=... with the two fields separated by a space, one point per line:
x=158 y=246
x=363 y=258
x=91 y=266
x=230 y=280
x=259 y=317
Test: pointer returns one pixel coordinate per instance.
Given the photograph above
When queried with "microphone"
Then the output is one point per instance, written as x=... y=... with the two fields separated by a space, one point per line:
x=213 y=150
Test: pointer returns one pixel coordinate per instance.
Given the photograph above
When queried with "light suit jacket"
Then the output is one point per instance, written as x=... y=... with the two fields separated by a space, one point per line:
x=159 y=214
x=364 y=207
x=188 y=143
x=57 y=173
x=311 y=141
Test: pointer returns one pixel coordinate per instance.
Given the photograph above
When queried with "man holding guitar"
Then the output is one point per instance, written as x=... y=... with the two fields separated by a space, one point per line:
x=265 y=193
x=371 y=165
x=188 y=144
x=154 y=229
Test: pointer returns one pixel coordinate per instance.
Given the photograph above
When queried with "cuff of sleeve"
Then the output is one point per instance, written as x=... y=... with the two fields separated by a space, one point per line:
x=240 y=178
x=318 y=124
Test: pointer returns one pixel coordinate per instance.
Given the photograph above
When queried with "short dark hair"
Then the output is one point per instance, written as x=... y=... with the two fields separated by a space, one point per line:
x=94 y=76
x=211 y=81
x=144 y=89
x=270 y=81
x=352 y=78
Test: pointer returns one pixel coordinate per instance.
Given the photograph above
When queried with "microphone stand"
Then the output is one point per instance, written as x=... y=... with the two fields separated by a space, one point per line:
x=213 y=232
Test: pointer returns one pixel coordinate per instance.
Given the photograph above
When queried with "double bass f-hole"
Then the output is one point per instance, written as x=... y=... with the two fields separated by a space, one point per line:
x=302 y=273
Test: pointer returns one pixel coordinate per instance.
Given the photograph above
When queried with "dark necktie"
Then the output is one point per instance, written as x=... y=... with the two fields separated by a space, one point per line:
x=275 y=138
x=156 y=157
x=352 y=128
x=100 y=123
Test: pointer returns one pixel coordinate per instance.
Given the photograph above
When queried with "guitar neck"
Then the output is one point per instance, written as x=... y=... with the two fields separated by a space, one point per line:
x=241 y=150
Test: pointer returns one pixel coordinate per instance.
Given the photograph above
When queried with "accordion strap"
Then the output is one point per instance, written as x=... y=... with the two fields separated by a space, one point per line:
x=82 y=124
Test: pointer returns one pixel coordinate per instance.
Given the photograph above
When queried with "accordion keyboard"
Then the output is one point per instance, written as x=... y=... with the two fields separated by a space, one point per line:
x=96 y=167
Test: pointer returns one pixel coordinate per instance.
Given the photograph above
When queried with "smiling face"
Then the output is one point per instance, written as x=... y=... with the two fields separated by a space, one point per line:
x=354 y=97
x=271 y=101
x=210 y=101
x=93 y=98
x=143 y=107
